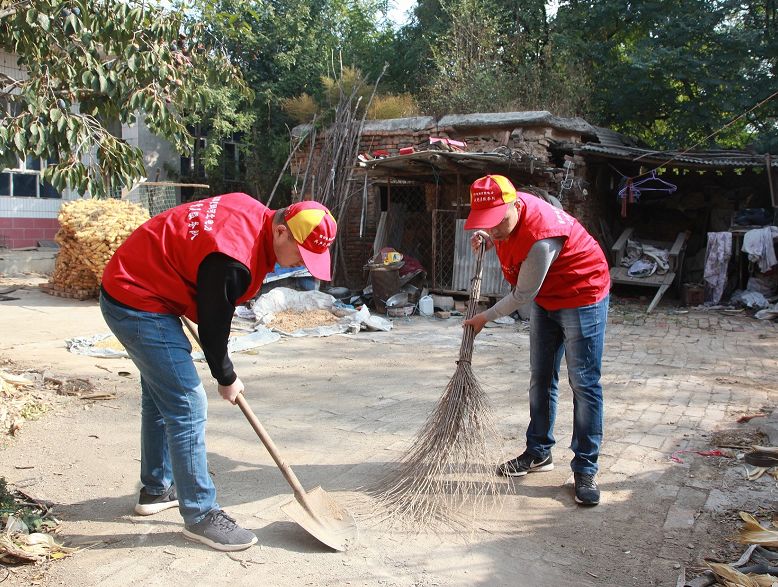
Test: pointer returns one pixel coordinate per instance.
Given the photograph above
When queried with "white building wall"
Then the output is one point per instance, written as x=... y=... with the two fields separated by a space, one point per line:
x=9 y=67
x=157 y=152
x=27 y=220
x=16 y=207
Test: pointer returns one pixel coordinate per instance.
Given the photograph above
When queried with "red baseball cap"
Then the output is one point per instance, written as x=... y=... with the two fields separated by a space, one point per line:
x=313 y=228
x=490 y=197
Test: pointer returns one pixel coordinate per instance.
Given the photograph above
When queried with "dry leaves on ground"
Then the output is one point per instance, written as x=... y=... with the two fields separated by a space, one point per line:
x=34 y=547
x=728 y=576
x=18 y=402
x=754 y=533
x=24 y=526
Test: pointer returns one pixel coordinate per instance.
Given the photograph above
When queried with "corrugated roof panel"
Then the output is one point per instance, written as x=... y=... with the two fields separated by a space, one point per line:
x=712 y=159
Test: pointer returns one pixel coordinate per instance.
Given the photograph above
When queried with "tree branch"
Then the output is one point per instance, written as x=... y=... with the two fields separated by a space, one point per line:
x=12 y=9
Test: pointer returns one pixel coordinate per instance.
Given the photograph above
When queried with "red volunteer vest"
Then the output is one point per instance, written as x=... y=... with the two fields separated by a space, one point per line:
x=578 y=277
x=155 y=269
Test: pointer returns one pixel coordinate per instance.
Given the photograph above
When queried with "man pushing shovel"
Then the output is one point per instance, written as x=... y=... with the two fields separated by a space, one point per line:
x=551 y=261
x=198 y=260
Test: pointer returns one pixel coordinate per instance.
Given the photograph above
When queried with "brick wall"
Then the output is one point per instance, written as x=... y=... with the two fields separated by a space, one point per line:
x=356 y=251
x=17 y=233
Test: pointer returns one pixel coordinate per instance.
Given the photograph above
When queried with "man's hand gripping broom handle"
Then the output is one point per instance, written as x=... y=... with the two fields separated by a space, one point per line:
x=466 y=348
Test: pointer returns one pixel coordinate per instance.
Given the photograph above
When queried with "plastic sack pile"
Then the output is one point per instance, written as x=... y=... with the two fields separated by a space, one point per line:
x=260 y=315
x=350 y=320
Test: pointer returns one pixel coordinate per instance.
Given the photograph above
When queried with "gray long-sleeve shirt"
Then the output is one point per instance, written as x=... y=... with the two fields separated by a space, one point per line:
x=531 y=275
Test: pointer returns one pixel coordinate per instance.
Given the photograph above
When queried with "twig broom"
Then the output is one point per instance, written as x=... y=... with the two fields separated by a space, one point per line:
x=448 y=465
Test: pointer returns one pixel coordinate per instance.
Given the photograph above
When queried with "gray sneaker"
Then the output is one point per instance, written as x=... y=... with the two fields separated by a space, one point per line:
x=220 y=531
x=586 y=490
x=149 y=504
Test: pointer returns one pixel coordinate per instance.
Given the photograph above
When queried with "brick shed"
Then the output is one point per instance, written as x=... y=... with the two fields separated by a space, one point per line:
x=416 y=201
x=413 y=201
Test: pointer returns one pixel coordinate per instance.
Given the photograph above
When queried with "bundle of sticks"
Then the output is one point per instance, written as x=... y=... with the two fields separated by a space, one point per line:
x=328 y=175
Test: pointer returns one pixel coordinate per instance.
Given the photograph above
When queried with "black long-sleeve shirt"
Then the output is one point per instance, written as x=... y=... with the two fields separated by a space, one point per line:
x=221 y=280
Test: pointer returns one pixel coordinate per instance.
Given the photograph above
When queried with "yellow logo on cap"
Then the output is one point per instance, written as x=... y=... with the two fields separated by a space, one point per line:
x=303 y=223
x=508 y=191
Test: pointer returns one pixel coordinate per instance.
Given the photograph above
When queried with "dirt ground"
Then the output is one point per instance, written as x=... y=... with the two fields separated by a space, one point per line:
x=342 y=408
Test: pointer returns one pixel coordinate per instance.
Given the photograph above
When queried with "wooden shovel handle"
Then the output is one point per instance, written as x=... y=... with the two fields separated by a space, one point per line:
x=289 y=475
x=286 y=470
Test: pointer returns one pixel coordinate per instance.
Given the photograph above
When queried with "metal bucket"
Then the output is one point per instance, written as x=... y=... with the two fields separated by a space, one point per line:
x=400 y=310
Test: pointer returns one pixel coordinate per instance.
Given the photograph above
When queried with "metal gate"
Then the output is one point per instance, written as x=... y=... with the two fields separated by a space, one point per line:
x=444 y=227
x=408 y=226
x=454 y=261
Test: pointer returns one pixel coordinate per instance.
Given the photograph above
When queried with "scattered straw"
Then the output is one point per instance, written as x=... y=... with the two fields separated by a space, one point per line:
x=18 y=402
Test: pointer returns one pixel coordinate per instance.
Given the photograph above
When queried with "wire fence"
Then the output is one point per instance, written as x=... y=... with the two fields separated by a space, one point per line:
x=444 y=225
x=453 y=267
x=158 y=196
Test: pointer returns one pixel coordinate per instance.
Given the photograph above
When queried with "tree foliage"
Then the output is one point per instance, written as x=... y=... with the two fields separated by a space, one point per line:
x=284 y=49
x=90 y=63
x=670 y=72
x=674 y=72
x=491 y=55
x=350 y=81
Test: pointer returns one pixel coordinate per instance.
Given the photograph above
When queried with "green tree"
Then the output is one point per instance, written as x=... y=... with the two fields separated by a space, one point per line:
x=674 y=72
x=90 y=63
x=486 y=55
x=412 y=64
x=490 y=55
x=284 y=49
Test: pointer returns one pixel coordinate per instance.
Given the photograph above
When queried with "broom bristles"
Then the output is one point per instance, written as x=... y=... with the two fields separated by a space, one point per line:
x=449 y=464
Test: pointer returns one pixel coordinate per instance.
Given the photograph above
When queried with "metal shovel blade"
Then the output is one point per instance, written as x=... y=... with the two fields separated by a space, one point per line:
x=326 y=521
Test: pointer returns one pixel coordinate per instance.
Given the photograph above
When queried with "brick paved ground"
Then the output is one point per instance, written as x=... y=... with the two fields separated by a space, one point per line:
x=342 y=408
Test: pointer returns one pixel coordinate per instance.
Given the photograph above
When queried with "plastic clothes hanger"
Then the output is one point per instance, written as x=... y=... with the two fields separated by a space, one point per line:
x=632 y=189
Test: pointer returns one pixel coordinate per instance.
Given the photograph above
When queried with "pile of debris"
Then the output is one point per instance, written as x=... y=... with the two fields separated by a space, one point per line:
x=27 y=528
x=758 y=567
x=90 y=232
x=18 y=402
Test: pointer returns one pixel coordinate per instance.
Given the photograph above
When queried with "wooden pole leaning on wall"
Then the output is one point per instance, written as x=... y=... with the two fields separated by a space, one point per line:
x=773 y=198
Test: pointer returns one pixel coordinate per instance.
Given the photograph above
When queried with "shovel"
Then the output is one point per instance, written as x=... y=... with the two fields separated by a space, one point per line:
x=314 y=510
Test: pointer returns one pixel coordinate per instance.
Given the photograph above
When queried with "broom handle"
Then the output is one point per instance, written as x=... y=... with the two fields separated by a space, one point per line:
x=466 y=348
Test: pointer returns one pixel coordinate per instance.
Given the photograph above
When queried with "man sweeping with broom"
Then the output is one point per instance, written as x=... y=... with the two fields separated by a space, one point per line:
x=553 y=262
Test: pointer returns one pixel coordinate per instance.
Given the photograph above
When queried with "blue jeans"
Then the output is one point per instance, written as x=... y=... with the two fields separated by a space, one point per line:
x=174 y=407
x=579 y=334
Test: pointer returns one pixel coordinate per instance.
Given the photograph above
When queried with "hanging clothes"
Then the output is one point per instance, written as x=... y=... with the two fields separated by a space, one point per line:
x=631 y=188
x=717 y=257
x=758 y=244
